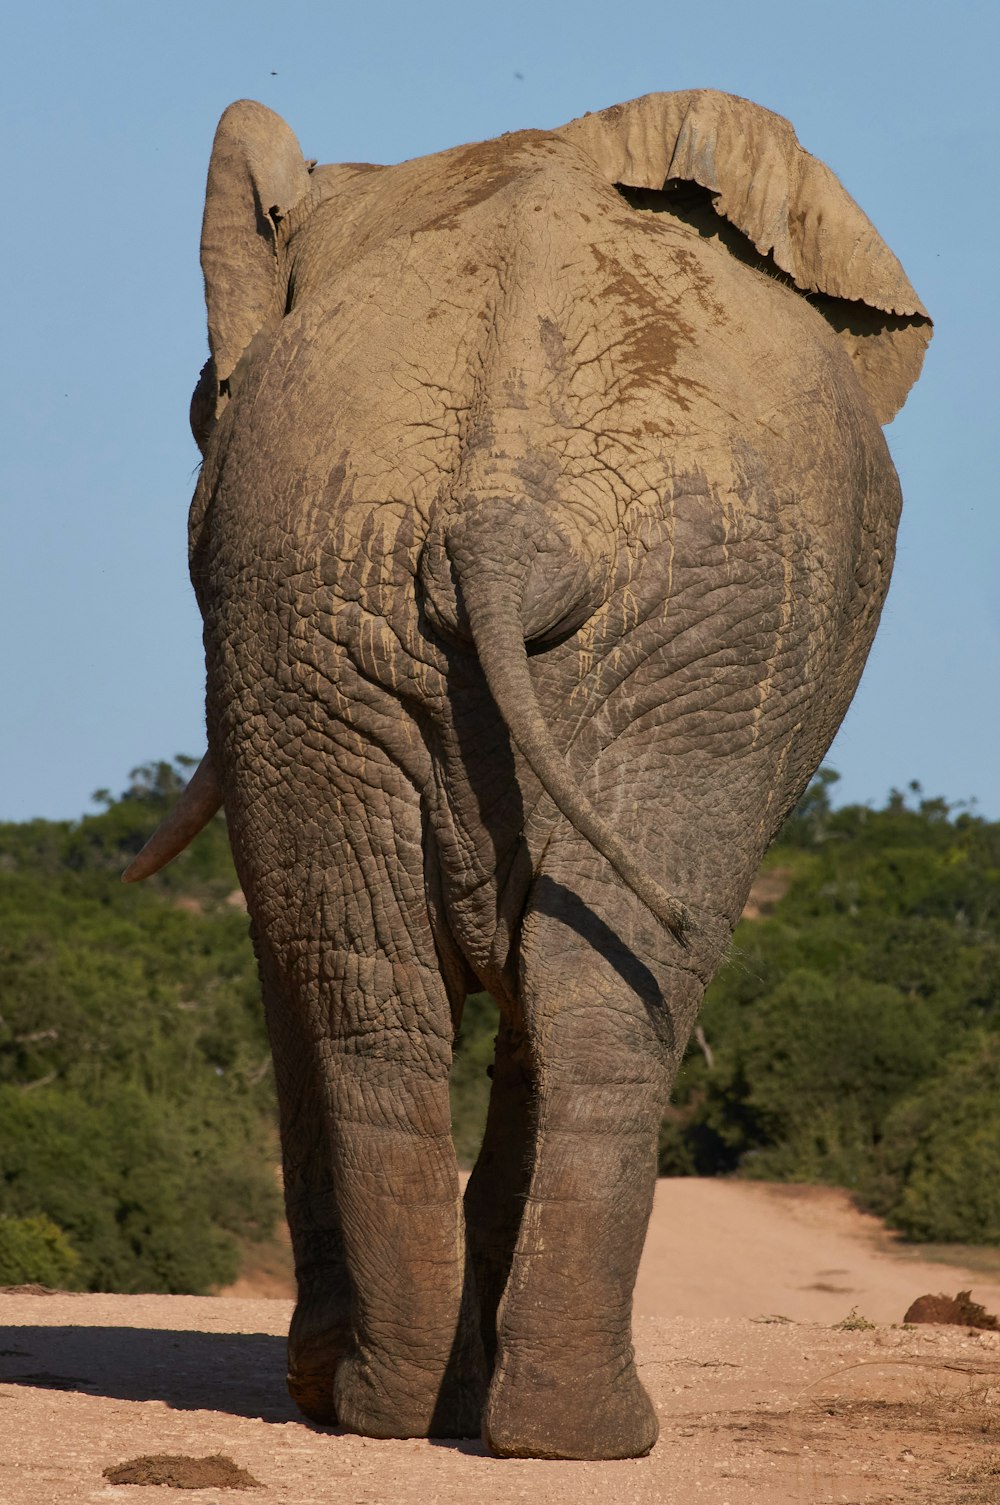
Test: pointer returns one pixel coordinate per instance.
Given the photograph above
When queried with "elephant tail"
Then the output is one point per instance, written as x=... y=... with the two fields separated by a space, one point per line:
x=493 y=583
x=500 y=574
x=198 y=803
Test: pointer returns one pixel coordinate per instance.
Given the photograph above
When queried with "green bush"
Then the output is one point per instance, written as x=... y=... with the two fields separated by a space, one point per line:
x=152 y=1193
x=35 y=1251
x=940 y=1156
x=849 y=1039
x=136 y=1100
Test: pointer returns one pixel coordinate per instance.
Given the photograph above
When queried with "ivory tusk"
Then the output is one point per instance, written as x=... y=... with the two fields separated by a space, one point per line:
x=191 y=814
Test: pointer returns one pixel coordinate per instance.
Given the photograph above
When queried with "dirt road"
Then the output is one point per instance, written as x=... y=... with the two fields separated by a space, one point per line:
x=762 y=1399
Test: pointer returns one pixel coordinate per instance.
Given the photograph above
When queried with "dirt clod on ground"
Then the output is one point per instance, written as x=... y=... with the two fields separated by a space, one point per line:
x=177 y=1471
x=956 y=1311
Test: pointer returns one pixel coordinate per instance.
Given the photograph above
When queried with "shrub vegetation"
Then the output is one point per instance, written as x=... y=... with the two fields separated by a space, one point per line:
x=136 y=1117
x=854 y=1034
x=853 y=1038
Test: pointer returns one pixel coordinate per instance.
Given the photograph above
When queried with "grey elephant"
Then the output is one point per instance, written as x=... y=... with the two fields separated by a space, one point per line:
x=543 y=528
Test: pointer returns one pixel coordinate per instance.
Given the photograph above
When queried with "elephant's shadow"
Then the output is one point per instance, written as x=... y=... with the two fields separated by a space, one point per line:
x=238 y=1373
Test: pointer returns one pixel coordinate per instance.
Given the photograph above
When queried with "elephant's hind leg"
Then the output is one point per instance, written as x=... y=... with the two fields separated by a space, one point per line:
x=598 y=1022
x=358 y=1000
x=416 y=1364
x=320 y=1332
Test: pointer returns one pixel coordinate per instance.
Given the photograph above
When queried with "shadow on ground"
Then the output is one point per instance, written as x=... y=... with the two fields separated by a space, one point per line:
x=242 y=1374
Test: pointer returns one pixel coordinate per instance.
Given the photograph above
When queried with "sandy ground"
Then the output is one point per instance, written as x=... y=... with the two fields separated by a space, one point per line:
x=763 y=1399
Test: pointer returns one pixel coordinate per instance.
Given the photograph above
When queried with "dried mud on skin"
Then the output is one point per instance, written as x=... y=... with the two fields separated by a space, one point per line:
x=179 y=1472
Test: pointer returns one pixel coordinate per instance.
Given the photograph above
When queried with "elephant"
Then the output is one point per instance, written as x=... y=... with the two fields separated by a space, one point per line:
x=542 y=530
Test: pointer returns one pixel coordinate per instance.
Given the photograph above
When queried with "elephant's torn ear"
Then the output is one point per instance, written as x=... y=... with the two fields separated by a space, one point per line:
x=788 y=205
x=256 y=175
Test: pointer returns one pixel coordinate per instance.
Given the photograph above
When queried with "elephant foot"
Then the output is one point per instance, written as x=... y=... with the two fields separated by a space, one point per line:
x=378 y=1400
x=312 y=1392
x=317 y=1340
x=534 y=1411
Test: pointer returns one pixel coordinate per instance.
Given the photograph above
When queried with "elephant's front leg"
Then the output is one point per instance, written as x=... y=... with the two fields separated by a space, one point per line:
x=565 y=1383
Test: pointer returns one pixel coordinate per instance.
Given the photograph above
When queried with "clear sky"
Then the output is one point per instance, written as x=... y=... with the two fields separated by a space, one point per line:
x=108 y=114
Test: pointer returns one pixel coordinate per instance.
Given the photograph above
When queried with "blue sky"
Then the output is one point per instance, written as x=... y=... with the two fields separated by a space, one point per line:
x=108 y=118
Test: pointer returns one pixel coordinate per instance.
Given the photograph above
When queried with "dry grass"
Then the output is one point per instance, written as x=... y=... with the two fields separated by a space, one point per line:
x=855 y=1322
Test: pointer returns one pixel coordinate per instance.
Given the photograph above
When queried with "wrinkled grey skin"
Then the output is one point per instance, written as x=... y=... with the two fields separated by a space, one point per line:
x=458 y=406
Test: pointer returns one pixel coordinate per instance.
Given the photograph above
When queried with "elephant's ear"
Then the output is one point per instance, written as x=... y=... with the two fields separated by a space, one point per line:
x=788 y=205
x=256 y=175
